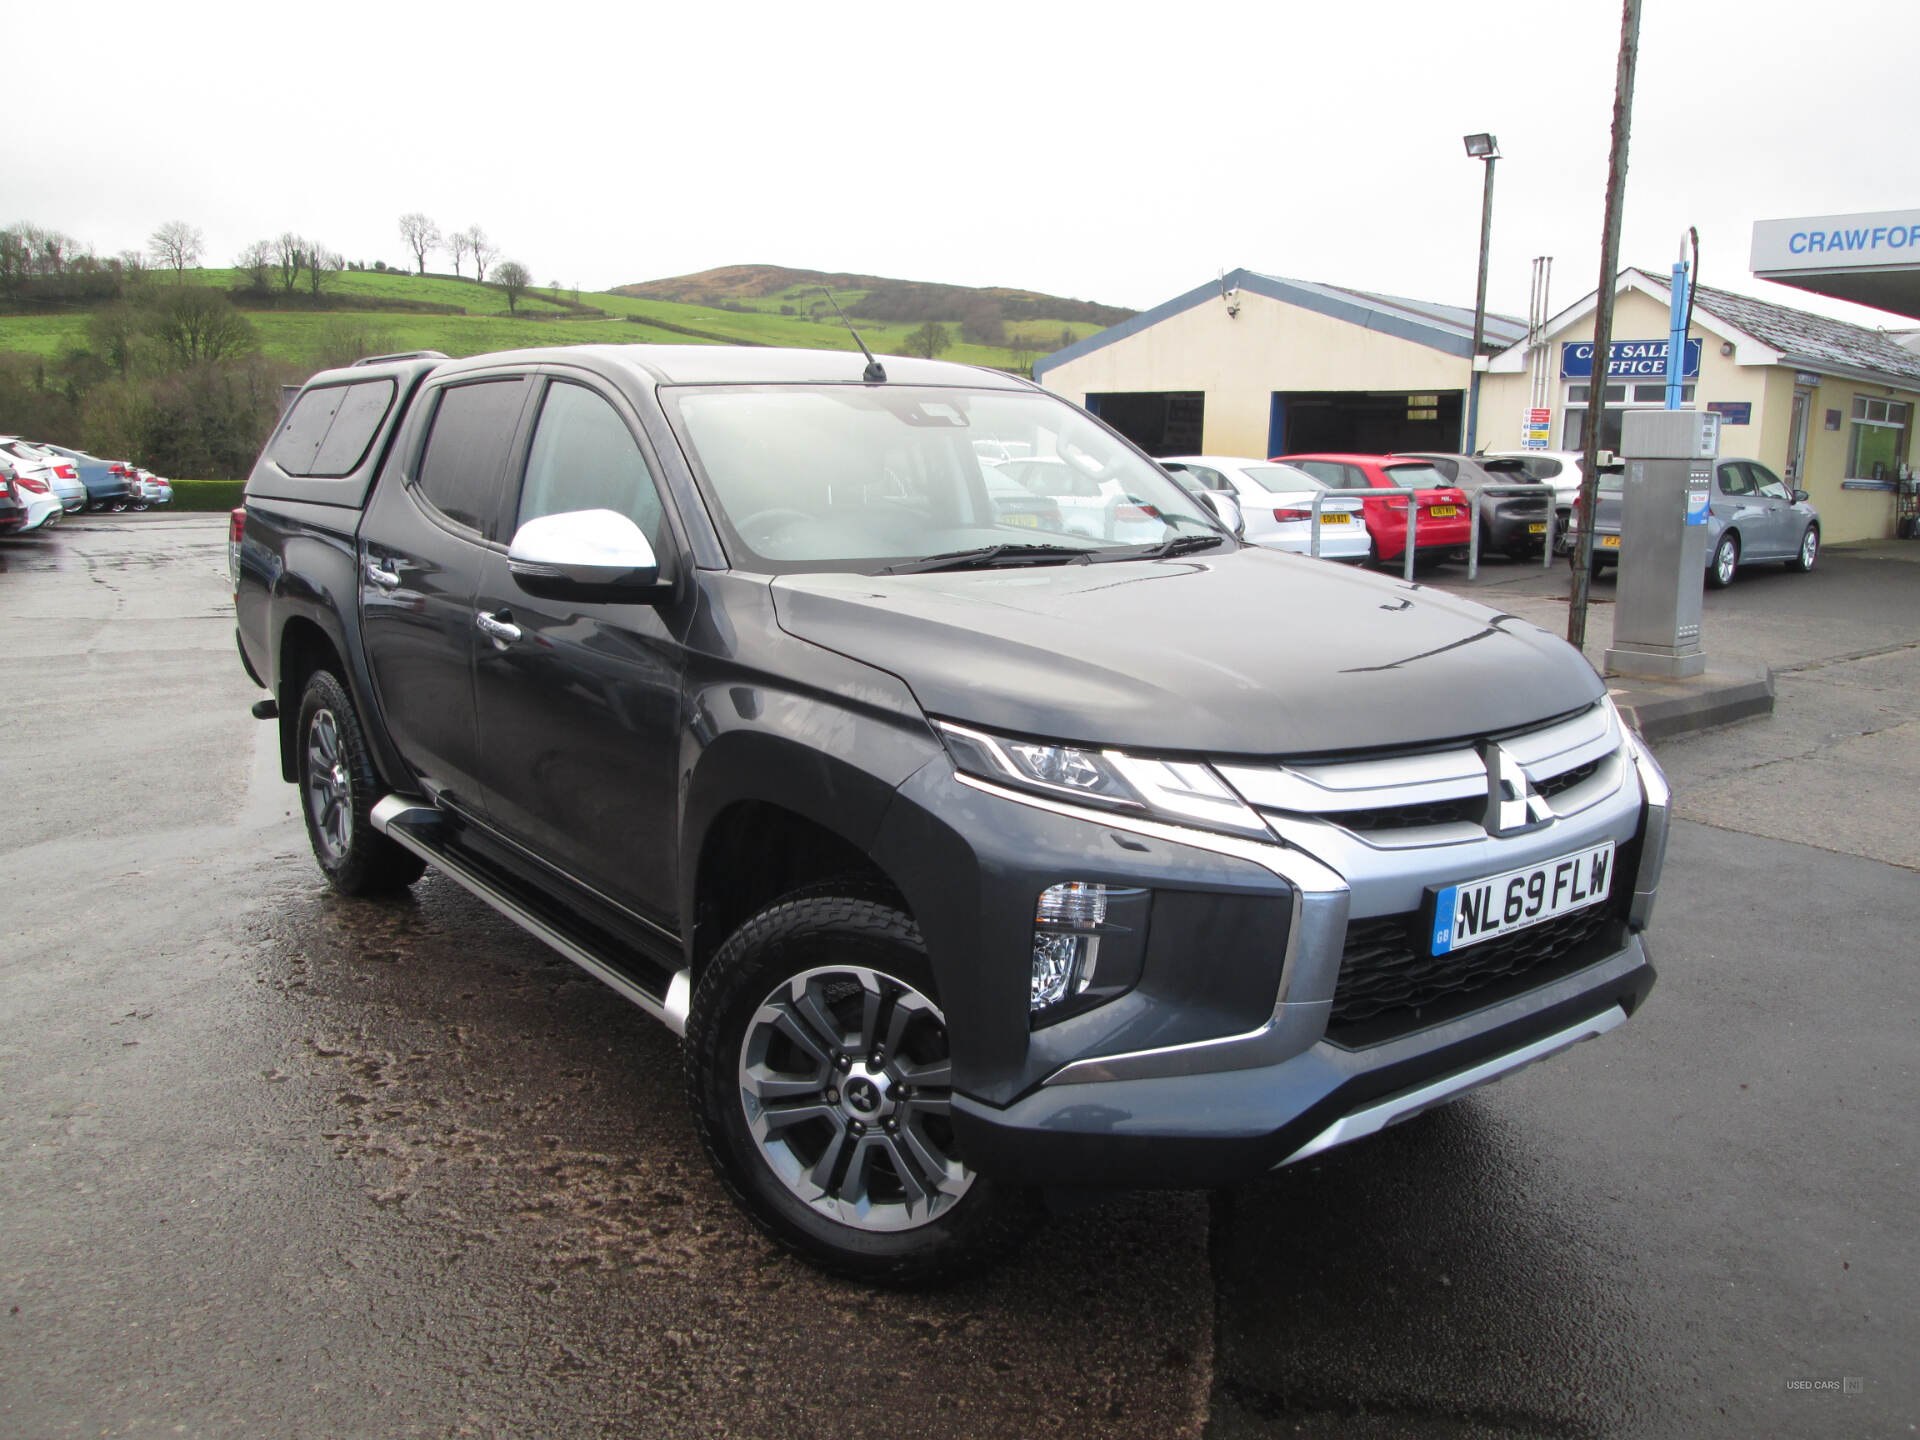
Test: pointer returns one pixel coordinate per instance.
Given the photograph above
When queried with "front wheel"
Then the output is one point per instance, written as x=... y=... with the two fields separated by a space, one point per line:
x=1726 y=560
x=1808 y=552
x=338 y=787
x=821 y=1082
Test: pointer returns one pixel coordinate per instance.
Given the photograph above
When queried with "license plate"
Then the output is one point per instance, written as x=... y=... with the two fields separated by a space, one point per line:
x=1476 y=910
x=1334 y=519
x=1443 y=512
x=1539 y=529
x=1032 y=522
x=1609 y=542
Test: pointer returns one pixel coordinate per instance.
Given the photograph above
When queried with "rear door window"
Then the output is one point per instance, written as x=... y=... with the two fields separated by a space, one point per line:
x=466 y=450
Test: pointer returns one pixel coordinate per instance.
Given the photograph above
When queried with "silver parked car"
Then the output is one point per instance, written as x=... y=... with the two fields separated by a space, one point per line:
x=1752 y=516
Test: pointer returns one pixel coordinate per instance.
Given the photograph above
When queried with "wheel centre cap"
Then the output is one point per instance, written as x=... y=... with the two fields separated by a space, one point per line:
x=863 y=1093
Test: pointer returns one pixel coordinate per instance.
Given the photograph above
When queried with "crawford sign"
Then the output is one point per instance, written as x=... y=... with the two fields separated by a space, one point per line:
x=1879 y=240
x=1627 y=360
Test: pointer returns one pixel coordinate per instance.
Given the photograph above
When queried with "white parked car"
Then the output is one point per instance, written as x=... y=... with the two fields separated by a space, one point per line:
x=33 y=494
x=1277 y=501
x=1096 y=508
x=57 y=472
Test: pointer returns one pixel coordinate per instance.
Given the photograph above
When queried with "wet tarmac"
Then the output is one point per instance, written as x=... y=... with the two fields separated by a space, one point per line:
x=277 y=1163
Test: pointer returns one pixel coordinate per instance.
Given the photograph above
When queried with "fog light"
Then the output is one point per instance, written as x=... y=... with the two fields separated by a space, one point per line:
x=1064 y=952
x=1057 y=962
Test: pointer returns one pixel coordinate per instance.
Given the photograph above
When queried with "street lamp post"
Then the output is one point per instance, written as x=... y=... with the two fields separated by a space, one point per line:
x=1487 y=150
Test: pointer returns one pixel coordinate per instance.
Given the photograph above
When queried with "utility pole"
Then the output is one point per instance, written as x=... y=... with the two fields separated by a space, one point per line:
x=1486 y=150
x=1603 y=319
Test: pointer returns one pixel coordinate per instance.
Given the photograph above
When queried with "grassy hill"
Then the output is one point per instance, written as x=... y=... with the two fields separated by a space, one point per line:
x=462 y=317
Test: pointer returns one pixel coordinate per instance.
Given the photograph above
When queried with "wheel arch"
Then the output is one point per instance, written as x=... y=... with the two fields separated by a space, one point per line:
x=765 y=813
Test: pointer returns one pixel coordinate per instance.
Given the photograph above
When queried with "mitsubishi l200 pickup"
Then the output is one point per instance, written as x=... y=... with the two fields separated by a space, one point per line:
x=970 y=855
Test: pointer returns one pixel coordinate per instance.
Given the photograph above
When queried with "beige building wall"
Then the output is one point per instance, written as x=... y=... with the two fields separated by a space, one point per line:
x=1844 y=514
x=1239 y=361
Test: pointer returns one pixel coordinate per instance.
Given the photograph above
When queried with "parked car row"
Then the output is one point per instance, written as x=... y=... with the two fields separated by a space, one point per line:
x=41 y=482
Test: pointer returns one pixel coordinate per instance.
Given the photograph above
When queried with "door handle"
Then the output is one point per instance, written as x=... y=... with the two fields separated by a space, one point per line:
x=386 y=579
x=502 y=633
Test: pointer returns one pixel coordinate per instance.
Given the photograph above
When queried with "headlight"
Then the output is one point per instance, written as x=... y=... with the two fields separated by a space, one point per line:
x=1183 y=792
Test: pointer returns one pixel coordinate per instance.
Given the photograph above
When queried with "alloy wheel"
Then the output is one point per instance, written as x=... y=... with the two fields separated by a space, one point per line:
x=1809 y=548
x=329 y=787
x=1725 y=560
x=846 y=1083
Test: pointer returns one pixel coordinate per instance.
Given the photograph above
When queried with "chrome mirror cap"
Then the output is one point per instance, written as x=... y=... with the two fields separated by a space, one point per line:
x=580 y=551
x=1227 y=510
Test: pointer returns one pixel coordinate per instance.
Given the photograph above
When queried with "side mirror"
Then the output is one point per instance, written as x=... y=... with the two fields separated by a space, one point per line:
x=1226 y=510
x=588 y=555
x=1800 y=497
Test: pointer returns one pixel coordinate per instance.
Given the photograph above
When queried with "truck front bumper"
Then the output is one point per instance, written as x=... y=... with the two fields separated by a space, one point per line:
x=1209 y=1129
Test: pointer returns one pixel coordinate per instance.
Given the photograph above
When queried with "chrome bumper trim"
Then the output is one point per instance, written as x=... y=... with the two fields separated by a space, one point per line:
x=1376 y=1118
x=1653 y=850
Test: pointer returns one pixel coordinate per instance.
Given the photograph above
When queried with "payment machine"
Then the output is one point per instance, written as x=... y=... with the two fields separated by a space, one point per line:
x=1669 y=462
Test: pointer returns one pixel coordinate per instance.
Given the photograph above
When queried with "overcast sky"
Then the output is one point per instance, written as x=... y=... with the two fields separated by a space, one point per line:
x=1121 y=153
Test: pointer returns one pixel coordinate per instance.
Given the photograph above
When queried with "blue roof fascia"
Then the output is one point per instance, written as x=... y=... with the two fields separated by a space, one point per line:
x=1355 y=312
x=1337 y=306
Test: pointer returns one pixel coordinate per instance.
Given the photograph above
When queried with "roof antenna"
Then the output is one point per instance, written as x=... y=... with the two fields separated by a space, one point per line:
x=873 y=374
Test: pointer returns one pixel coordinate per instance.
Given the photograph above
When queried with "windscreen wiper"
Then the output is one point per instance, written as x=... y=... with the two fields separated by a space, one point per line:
x=1178 y=545
x=987 y=555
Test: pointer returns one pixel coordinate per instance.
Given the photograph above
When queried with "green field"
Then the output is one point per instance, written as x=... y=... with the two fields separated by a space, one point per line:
x=295 y=334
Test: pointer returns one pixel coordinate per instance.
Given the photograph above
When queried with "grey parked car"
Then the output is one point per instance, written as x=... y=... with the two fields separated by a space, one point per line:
x=1513 y=525
x=1752 y=516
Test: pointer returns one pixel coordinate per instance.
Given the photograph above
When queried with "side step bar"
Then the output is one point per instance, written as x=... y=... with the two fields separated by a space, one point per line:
x=420 y=828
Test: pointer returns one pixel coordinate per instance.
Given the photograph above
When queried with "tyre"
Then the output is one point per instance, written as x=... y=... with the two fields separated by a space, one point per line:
x=1725 y=561
x=818 y=1069
x=338 y=788
x=138 y=506
x=1808 y=552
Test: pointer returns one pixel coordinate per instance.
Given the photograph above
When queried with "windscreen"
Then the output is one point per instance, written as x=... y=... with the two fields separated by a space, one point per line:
x=1417 y=477
x=1280 y=479
x=861 y=477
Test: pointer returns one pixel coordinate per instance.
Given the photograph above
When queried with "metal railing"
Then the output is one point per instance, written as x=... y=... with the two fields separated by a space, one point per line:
x=1413 y=519
x=1369 y=493
x=1501 y=492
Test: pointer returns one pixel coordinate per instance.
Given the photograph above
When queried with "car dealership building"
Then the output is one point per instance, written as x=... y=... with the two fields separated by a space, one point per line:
x=1259 y=365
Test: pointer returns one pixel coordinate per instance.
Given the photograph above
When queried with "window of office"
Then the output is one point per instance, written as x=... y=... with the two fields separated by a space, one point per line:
x=1641 y=396
x=1879 y=440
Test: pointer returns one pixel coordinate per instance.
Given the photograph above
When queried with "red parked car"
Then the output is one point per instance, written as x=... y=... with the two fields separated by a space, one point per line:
x=1446 y=521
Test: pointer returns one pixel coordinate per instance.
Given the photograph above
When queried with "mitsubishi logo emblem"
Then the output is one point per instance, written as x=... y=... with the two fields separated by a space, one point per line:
x=1513 y=804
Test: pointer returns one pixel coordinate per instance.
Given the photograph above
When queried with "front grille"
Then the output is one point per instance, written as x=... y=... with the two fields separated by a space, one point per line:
x=1470 y=808
x=1383 y=970
x=1567 y=779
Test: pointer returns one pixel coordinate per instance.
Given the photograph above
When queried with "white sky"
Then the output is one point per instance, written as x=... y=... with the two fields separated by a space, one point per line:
x=1116 y=151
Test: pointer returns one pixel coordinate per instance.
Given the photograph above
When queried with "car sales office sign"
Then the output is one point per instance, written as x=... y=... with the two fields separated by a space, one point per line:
x=1627 y=360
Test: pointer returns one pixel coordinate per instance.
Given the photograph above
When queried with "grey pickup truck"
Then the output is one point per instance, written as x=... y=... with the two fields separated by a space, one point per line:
x=972 y=853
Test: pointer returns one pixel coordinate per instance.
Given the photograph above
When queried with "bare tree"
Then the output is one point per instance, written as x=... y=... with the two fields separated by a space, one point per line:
x=459 y=246
x=200 y=327
x=512 y=277
x=485 y=252
x=177 y=245
x=290 y=256
x=322 y=265
x=421 y=235
x=929 y=340
x=256 y=264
